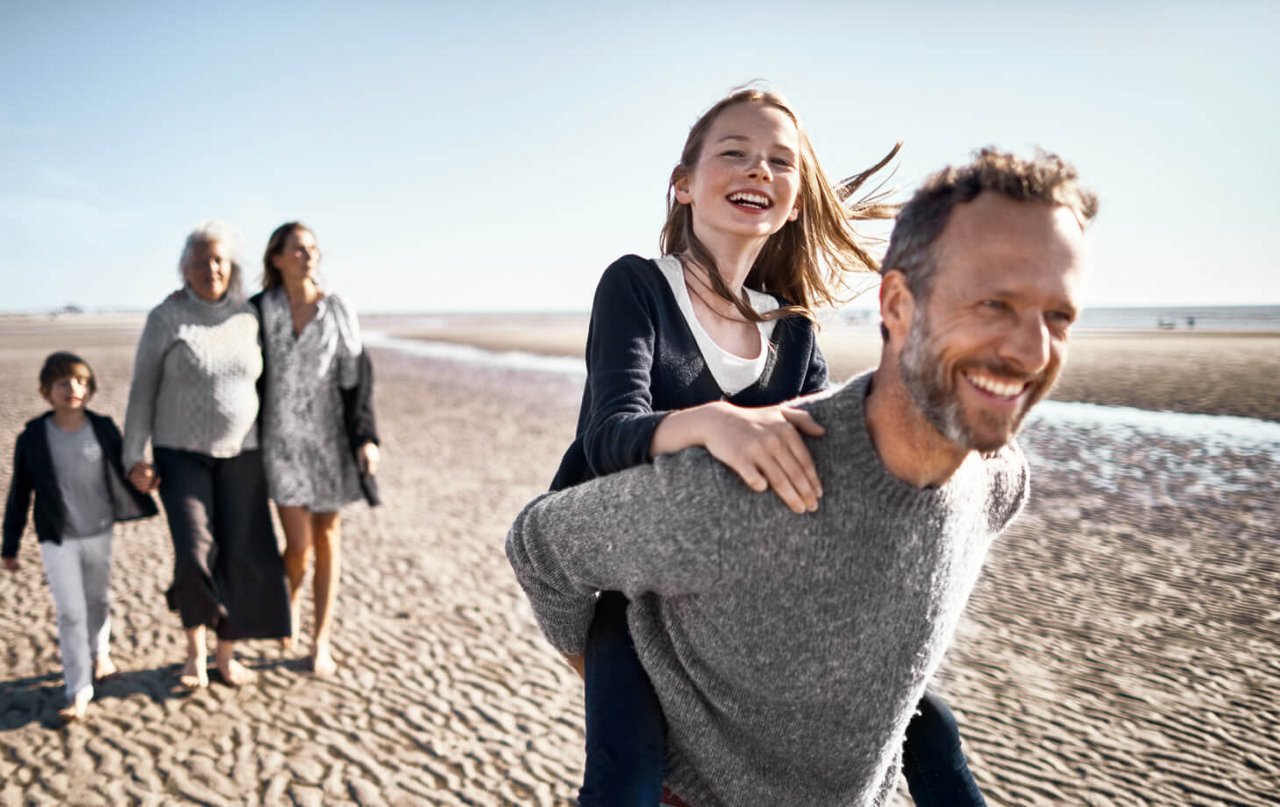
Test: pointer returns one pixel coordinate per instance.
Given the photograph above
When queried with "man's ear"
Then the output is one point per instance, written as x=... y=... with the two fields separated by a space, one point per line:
x=897 y=305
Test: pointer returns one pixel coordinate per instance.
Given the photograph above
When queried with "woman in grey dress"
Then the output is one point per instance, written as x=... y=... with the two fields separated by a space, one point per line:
x=313 y=352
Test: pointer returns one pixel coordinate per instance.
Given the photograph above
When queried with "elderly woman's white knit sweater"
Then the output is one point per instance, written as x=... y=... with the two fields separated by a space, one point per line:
x=194 y=379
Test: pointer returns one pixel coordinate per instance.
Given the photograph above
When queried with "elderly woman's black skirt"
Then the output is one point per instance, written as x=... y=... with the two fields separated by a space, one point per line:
x=227 y=571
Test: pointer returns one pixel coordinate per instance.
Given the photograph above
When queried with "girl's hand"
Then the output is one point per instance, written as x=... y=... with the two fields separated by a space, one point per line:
x=369 y=456
x=11 y=564
x=763 y=446
x=143 y=477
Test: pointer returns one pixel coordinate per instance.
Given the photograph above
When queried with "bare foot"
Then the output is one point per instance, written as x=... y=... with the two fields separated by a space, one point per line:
x=194 y=674
x=75 y=708
x=104 y=669
x=235 y=674
x=295 y=620
x=322 y=663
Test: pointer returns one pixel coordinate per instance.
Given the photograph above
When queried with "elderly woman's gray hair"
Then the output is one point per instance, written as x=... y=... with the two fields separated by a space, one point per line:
x=211 y=232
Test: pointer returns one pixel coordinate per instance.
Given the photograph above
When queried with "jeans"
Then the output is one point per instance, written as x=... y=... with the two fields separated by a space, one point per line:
x=79 y=575
x=933 y=762
x=626 y=733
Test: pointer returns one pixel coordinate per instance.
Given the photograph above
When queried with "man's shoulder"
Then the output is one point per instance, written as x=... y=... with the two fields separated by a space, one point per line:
x=1008 y=484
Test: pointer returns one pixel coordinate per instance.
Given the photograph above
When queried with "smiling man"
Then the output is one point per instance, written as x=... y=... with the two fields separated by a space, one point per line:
x=789 y=651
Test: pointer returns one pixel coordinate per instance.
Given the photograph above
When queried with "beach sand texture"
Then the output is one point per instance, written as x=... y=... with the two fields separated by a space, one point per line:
x=1123 y=646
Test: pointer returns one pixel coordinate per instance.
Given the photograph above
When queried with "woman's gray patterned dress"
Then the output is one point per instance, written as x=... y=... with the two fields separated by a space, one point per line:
x=308 y=459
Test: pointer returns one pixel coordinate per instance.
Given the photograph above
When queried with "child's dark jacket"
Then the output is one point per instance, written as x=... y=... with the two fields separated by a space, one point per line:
x=33 y=473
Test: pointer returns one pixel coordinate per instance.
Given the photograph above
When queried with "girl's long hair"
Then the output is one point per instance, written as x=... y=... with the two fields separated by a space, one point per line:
x=806 y=263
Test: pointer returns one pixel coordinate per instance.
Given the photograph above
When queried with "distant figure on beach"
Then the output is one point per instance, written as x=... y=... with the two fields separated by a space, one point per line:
x=702 y=347
x=194 y=396
x=788 y=652
x=318 y=429
x=69 y=458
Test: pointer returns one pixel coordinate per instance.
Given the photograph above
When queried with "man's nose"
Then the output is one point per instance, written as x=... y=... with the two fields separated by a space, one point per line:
x=1028 y=344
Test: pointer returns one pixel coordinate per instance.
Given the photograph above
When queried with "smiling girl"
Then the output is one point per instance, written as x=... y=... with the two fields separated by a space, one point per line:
x=701 y=347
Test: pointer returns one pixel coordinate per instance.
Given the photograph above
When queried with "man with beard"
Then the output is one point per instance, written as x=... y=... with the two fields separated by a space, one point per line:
x=789 y=651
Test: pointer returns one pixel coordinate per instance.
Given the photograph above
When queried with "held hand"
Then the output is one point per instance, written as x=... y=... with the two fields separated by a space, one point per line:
x=11 y=564
x=143 y=477
x=369 y=456
x=764 y=447
x=578 y=662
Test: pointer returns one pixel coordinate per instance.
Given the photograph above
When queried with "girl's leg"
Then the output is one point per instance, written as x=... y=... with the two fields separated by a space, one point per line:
x=626 y=733
x=297 y=550
x=327 y=533
x=96 y=570
x=62 y=571
x=933 y=762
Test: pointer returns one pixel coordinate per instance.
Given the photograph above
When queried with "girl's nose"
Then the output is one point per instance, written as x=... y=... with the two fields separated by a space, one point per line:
x=759 y=169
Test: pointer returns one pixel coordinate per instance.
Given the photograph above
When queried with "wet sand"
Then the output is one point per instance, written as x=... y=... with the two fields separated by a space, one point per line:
x=1123 y=646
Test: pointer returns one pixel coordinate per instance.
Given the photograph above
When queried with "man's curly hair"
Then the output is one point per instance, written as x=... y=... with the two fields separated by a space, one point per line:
x=1044 y=178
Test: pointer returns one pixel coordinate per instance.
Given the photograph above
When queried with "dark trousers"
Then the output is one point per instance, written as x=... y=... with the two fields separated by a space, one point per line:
x=626 y=732
x=227 y=571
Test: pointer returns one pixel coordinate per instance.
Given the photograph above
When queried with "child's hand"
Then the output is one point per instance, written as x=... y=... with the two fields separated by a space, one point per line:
x=764 y=447
x=11 y=564
x=143 y=477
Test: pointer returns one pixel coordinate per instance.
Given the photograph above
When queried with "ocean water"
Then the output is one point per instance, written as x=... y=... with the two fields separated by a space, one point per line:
x=1183 y=318
x=1232 y=318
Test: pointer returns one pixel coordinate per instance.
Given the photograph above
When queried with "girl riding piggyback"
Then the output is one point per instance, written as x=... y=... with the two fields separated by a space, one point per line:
x=704 y=346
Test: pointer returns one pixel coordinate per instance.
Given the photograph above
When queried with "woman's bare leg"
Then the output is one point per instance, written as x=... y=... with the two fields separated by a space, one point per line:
x=194 y=675
x=327 y=534
x=297 y=550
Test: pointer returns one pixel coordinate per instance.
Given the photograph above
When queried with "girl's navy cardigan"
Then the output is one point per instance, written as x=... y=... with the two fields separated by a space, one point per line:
x=643 y=362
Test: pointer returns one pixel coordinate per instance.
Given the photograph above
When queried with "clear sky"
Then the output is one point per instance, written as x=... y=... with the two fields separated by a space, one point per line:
x=498 y=155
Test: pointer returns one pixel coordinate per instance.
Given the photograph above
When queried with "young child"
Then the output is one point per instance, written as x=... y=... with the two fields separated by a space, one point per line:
x=69 y=458
x=702 y=347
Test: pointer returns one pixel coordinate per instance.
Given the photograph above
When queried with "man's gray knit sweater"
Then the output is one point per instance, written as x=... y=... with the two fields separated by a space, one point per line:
x=788 y=651
x=195 y=379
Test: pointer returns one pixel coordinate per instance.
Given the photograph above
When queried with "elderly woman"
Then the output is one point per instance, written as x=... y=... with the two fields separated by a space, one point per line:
x=194 y=396
x=320 y=442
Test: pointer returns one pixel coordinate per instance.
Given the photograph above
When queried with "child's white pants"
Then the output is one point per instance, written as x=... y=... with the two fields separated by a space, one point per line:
x=79 y=575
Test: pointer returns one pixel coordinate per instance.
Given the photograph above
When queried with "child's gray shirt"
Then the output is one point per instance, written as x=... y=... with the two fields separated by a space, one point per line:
x=82 y=480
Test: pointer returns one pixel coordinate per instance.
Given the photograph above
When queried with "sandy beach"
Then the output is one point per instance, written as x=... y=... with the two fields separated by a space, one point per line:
x=1123 y=646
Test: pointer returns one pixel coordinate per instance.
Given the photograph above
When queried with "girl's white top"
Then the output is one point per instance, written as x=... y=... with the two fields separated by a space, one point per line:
x=732 y=373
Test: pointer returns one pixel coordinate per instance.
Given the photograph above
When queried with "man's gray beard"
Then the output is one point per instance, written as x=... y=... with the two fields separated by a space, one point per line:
x=930 y=393
x=930 y=387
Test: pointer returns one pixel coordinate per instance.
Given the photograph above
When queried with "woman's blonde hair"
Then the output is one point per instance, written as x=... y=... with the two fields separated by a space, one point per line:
x=804 y=263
